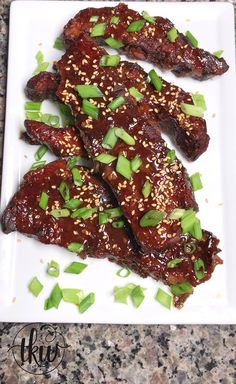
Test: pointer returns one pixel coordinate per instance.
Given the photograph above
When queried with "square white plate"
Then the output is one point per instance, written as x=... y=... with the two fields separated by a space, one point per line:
x=35 y=25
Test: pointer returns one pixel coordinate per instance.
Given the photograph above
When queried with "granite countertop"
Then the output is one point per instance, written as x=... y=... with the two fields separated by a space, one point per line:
x=110 y=354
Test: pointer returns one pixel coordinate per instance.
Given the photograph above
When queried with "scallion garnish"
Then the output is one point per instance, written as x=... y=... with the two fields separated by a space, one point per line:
x=64 y=190
x=151 y=218
x=192 y=110
x=123 y=167
x=73 y=161
x=116 y=103
x=37 y=165
x=114 y=20
x=218 y=54
x=114 y=43
x=121 y=293
x=155 y=80
x=102 y=218
x=164 y=298
x=51 y=120
x=53 y=269
x=148 y=18
x=181 y=288
x=136 y=25
x=98 y=30
x=110 y=139
x=136 y=94
x=75 y=267
x=35 y=286
x=90 y=109
x=59 y=44
x=83 y=213
x=171 y=156
x=75 y=247
x=40 y=152
x=87 y=302
x=105 y=158
x=173 y=263
x=137 y=296
x=196 y=182
x=199 y=100
x=72 y=204
x=88 y=90
x=54 y=299
x=147 y=188
x=199 y=268
x=136 y=163
x=196 y=231
x=176 y=214
x=77 y=177
x=32 y=106
x=172 y=34
x=118 y=224
x=188 y=220
x=71 y=295
x=57 y=213
x=113 y=212
x=32 y=115
x=109 y=61
x=192 y=39
x=189 y=248
x=65 y=111
x=123 y=272
x=94 y=19
x=43 y=201
x=124 y=136
x=42 y=65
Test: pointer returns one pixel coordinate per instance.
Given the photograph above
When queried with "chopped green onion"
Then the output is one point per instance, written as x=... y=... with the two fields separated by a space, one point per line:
x=192 y=110
x=87 y=302
x=196 y=231
x=39 y=57
x=199 y=101
x=38 y=164
x=118 y=224
x=75 y=267
x=98 y=30
x=164 y=298
x=121 y=293
x=171 y=156
x=181 y=288
x=199 y=268
x=136 y=94
x=72 y=204
x=77 y=177
x=218 y=54
x=43 y=201
x=94 y=19
x=42 y=66
x=196 y=182
x=136 y=26
x=32 y=106
x=88 y=90
x=136 y=163
x=176 y=214
x=53 y=269
x=123 y=167
x=114 y=43
x=155 y=80
x=35 y=286
x=114 y=20
x=105 y=158
x=192 y=39
x=110 y=139
x=172 y=34
x=109 y=61
x=83 y=213
x=124 y=136
x=59 y=44
x=54 y=299
x=33 y=115
x=173 y=263
x=64 y=190
x=147 y=188
x=75 y=247
x=90 y=109
x=116 y=103
x=137 y=296
x=71 y=295
x=188 y=220
x=68 y=119
x=102 y=218
x=148 y=18
x=40 y=152
x=123 y=272
x=113 y=212
x=51 y=120
x=57 y=213
x=189 y=248
x=151 y=218
x=73 y=161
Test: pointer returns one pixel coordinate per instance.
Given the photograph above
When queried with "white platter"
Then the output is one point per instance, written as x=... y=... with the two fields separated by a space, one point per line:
x=35 y=25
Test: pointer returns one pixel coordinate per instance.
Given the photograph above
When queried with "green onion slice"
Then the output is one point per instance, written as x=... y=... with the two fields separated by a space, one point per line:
x=218 y=54
x=124 y=136
x=114 y=20
x=110 y=139
x=114 y=43
x=148 y=18
x=137 y=296
x=136 y=26
x=199 y=268
x=88 y=90
x=189 y=248
x=59 y=44
x=87 y=302
x=90 y=109
x=155 y=80
x=196 y=231
x=32 y=115
x=109 y=61
x=57 y=213
x=118 y=224
x=42 y=65
x=164 y=298
x=123 y=167
x=151 y=218
x=136 y=163
x=77 y=179
x=37 y=165
x=196 y=182
x=39 y=57
x=35 y=286
x=192 y=39
x=40 y=152
x=83 y=213
x=136 y=94
x=173 y=263
x=171 y=156
x=75 y=267
x=116 y=103
x=176 y=214
x=187 y=220
x=75 y=247
x=51 y=120
x=199 y=101
x=121 y=293
x=181 y=288
x=113 y=212
x=98 y=30
x=43 y=201
x=105 y=158
x=192 y=110
x=73 y=161
x=94 y=19
x=172 y=34
x=53 y=269
x=54 y=299
x=64 y=190
x=72 y=204
x=65 y=111
x=102 y=218
x=147 y=188
x=123 y=272
x=32 y=106
x=71 y=295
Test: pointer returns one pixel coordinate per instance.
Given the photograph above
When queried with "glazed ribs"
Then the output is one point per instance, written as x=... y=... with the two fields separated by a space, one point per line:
x=151 y=42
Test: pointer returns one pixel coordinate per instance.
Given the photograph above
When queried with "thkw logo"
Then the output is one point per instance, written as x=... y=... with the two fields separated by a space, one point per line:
x=38 y=348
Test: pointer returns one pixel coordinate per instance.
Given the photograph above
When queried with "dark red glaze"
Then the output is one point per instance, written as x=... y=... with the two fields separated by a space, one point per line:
x=150 y=44
x=42 y=86
x=63 y=142
x=24 y=215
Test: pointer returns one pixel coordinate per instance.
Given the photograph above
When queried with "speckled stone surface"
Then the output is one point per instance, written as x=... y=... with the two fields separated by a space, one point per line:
x=110 y=354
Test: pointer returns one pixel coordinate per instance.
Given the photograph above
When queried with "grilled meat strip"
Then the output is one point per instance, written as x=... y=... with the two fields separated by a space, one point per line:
x=63 y=142
x=151 y=43
x=42 y=86
x=23 y=214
